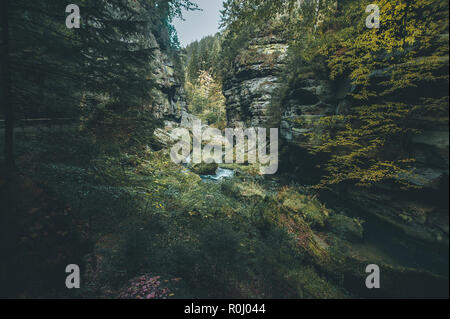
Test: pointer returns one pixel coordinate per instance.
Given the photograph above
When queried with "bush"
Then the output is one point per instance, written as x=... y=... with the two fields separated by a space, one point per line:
x=220 y=242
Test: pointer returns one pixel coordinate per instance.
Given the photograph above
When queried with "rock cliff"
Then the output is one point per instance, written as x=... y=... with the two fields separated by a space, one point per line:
x=169 y=98
x=422 y=214
x=249 y=91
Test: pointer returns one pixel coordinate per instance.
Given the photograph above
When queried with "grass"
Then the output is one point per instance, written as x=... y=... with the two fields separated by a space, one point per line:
x=143 y=215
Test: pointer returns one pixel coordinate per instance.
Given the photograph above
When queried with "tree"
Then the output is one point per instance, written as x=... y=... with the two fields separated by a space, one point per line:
x=6 y=89
x=330 y=37
x=102 y=68
x=386 y=109
x=101 y=74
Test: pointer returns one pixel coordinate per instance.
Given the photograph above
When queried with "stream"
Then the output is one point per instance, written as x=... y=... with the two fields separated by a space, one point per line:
x=221 y=174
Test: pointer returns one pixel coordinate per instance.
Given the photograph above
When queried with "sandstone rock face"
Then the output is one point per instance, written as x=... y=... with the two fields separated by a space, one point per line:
x=313 y=99
x=256 y=77
x=421 y=214
x=346 y=227
x=249 y=92
x=411 y=213
x=169 y=94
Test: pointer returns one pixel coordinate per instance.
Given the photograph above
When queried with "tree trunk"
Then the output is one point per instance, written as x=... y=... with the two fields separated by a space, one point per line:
x=6 y=88
x=7 y=193
x=339 y=8
x=405 y=22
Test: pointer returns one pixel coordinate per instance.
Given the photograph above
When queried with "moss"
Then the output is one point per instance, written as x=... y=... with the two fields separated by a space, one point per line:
x=243 y=169
x=244 y=190
x=314 y=212
x=205 y=169
x=310 y=285
x=345 y=227
x=250 y=189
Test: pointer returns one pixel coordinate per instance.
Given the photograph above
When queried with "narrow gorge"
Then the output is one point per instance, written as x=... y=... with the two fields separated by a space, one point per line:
x=92 y=115
x=404 y=228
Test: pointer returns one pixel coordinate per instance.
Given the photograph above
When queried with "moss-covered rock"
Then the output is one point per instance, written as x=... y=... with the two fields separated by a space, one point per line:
x=205 y=169
x=244 y=190
x=345 y=227
x=310 y=284
x=314 y=212
x=244 y=169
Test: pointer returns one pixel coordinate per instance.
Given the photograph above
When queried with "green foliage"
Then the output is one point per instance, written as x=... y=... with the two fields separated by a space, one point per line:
x=346 y=227
x=244 y=190
x=394 y=70
x=147 y=215
x=312 y=211
x=398 y=74
x=206 y=100
x=203 y=84
x=311 y=285
x=102 y=75
x=218 y=245
x=203 y=55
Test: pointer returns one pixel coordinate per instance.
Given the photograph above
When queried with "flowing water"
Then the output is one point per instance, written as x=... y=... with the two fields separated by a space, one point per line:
x=220 y=175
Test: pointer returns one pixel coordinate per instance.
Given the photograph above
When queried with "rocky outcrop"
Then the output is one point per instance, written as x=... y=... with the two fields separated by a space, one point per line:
x=256 y=77
x=312 y=99
x=169 y=97
x=422 y=214
x=345 y=227
x=249 y=91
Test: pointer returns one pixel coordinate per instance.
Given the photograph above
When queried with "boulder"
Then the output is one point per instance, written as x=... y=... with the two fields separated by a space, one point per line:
x=345 y=227
x=205 y=169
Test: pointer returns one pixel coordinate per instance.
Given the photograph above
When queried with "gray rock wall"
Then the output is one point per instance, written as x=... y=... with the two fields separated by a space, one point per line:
x=169 y=97
x=249 y=92
x=422 y=214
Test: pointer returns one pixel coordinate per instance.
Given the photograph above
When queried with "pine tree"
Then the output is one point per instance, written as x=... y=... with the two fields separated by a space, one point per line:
x=105 y=65
x=100 y=74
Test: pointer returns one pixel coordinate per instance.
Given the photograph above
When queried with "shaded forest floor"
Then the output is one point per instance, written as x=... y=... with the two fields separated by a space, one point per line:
x=141 y=226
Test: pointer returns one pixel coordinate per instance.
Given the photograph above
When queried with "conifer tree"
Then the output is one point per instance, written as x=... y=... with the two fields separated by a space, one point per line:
x=105 y=65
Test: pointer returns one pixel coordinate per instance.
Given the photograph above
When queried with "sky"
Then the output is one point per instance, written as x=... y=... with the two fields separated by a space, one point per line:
x=199 y=24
